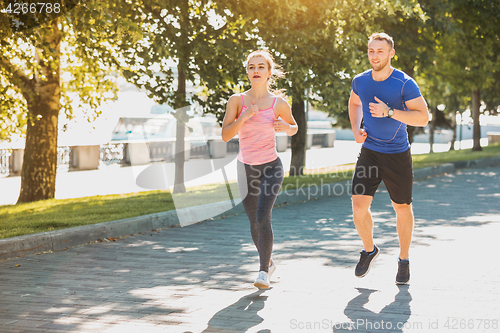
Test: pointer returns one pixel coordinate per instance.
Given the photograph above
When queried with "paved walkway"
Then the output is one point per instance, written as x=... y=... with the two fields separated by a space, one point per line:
x=199 y=278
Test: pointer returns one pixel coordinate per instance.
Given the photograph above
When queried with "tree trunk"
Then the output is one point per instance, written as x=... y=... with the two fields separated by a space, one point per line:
x=432 y=128
x=38 y=174
x=299 y=140
x=181 y=101
x=454 y=128
x=476 y=101
x=180 y=134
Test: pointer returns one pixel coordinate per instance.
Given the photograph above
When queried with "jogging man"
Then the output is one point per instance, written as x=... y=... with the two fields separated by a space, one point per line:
x=386 y=100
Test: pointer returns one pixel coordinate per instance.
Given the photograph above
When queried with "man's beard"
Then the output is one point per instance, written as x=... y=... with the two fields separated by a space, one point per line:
x=381 y=65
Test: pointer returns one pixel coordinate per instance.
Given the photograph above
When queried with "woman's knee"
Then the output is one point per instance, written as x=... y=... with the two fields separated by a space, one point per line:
x=263 y=222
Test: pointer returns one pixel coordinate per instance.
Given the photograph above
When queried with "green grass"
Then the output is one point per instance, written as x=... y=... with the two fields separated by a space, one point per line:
x=427 y=160
x=46 y=215
x=55 y=214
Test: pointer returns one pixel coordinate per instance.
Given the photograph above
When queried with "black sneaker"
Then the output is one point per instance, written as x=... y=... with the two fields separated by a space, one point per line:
x=403 y=276
x=365 y=261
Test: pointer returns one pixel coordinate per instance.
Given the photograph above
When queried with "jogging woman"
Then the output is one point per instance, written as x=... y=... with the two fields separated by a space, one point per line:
x=255 y=116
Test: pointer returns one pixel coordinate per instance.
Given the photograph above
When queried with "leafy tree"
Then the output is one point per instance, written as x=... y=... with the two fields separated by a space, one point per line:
x=475 y=53
x=315 y=41
x=416 y=34
x=434 y=91
x=442 y=86
x=184 y=33
x=81 y=43
x=442 y=48
x=455 y=102
x=491 y=95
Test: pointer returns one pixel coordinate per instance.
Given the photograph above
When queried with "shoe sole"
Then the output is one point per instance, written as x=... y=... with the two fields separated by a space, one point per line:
x=402 y=283
x=261 y=285
x=272 y=270
x=369 y=266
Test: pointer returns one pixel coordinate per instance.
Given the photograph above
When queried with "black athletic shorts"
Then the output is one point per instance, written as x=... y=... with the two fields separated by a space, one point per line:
x=396 y=170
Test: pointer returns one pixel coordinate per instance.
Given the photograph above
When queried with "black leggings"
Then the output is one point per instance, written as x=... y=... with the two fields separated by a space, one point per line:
x=259 y=186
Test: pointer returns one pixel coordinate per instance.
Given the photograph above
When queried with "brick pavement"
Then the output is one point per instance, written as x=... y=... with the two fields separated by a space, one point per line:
x=199 y=278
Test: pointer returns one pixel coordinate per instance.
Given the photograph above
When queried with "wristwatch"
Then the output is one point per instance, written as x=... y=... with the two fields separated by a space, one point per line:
x=390 y=113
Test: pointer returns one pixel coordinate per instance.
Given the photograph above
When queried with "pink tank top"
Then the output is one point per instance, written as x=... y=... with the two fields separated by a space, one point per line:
x=257 y=137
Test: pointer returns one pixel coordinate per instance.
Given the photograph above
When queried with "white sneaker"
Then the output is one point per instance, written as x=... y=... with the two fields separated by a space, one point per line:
x=262 y=282
x=271 y=269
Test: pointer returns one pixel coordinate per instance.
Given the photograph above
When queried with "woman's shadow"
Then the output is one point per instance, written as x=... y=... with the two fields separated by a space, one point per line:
x=239 y=316
x=392 y=317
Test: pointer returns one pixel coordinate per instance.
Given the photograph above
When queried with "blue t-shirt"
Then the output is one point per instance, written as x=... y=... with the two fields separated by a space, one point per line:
x=385 y=135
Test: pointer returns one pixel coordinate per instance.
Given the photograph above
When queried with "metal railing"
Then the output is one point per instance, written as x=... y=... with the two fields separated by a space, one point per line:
x=318 y=139
x=63 y=158
x=63 y=155
x=4 y=160
x=163 y=151
x=111 y=153
x=233 y=146
x=199 y=149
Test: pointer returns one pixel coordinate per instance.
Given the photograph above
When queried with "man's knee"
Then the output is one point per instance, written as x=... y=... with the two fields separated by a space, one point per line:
x=361 y=204
x=402 y=208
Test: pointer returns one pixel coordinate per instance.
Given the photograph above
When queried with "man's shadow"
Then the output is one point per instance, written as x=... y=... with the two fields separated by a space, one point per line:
x=366 y=320
x=239 y=316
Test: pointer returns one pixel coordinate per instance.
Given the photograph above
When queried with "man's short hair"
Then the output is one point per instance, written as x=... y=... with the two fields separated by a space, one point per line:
x=381 y=36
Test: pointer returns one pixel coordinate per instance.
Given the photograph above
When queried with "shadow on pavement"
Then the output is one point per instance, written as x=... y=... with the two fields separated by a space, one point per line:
x=146 y=278
x=228 y=320
x=362 y=319
x=324 y=228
